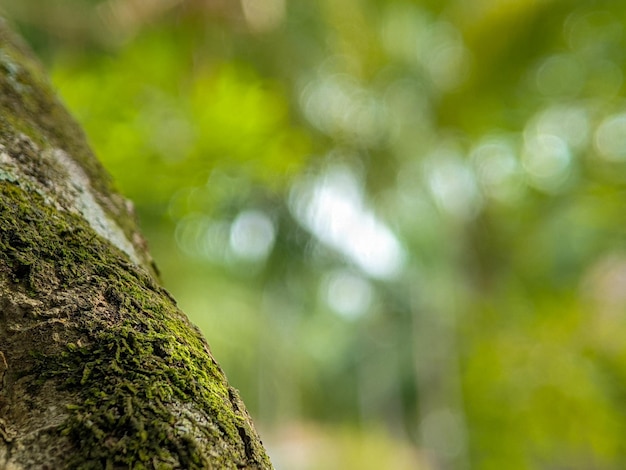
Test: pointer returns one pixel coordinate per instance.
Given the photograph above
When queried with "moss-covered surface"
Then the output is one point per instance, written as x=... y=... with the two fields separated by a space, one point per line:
x=146 y=392
x=30 y=106
x=29 y=103
x=99 y=368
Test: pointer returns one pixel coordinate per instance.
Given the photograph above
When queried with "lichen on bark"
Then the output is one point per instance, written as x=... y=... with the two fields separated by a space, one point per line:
x=98 y=366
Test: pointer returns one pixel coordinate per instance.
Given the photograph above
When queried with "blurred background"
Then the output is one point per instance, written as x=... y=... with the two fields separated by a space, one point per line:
x=400 y=224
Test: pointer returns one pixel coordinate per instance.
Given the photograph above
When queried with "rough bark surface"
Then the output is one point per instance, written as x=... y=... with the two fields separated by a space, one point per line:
x=98 y=367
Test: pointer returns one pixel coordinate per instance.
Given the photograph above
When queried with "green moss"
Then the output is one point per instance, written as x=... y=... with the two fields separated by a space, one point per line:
x=29 y=101
x=147 y=392
x=129 y=354
x=30 y=106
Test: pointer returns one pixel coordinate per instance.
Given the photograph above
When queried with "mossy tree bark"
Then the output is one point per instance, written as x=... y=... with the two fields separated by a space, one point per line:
x=98 y=367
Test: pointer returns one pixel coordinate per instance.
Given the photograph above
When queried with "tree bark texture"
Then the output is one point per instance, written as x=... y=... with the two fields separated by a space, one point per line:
x=98 y=367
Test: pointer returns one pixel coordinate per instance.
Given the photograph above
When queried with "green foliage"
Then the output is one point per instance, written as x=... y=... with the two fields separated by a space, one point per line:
x=150 y=110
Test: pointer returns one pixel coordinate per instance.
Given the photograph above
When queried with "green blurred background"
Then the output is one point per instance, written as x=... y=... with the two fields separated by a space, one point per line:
x=400 y=224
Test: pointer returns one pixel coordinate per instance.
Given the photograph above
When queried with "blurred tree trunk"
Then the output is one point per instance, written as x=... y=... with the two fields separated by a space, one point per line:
x=98 y=367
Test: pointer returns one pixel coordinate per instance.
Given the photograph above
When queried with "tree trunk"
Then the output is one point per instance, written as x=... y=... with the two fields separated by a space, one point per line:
x=98 y=367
